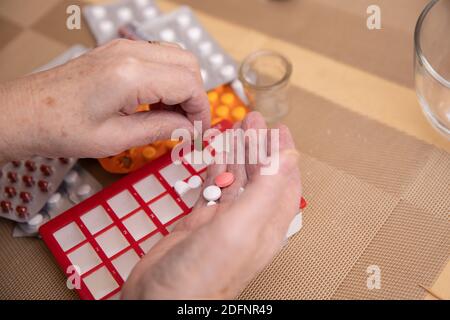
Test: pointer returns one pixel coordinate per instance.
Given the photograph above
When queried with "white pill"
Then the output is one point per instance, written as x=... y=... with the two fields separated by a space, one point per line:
x=141 y=3
x=216 y=59
x=84 y=191
x=212 y=193
x=71 y=177
x=98 y=12
x=205 y=48
x=211 y=203
x=228 y=71
x=168 y=35
x=54 y=199
x=149 y=13
x=204 y=75
x=125 y=14
x=194 y=182
x=181 y=187
x=36 y=220
x=106 y=26
x=194 y=33
x=184 y=20
x=241 y=190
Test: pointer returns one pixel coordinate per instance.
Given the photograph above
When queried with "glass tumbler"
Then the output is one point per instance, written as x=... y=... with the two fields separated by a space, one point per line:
x=432 y=64
x=265 y=76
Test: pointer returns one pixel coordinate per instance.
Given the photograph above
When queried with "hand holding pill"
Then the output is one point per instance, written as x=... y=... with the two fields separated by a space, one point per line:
x=230 y=235
x=86 y=107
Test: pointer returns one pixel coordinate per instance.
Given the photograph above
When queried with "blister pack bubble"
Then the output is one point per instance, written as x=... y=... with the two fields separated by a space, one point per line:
x=182 y=27
x=78 y=185
x=104 y=20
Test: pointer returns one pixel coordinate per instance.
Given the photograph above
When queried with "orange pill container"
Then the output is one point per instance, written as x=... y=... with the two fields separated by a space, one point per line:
x=224 y=104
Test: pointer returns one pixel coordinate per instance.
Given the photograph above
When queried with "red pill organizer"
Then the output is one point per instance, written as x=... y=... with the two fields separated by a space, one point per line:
x=99 y=241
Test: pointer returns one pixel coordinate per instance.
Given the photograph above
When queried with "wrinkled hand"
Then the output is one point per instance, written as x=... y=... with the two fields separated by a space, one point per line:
x=215 y=251
x=86 y=108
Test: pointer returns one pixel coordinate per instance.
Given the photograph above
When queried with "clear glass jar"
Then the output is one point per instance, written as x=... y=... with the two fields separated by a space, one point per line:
x=265 y=76
x=432 y=63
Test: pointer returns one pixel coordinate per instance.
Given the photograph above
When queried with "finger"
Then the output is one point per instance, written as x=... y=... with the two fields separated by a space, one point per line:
x=237 y=168
x=173 y=85
x=142 y=128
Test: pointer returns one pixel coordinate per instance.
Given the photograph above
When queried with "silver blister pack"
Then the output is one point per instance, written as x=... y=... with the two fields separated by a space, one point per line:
x=181 y=26
x=104 y=20
x=78 y=185
x=72 y=53
x=27 y=184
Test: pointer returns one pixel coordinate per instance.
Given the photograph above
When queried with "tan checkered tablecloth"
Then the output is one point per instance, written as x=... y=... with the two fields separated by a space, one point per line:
x=375 y=173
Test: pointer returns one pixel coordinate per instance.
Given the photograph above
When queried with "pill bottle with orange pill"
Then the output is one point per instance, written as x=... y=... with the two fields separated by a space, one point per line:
x=224 y=105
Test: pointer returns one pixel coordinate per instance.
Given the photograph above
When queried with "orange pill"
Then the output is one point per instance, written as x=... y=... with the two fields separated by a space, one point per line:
x=227 y=98
x=222 y=111
x=213 y=97
x=238 y=113
x=149 y=153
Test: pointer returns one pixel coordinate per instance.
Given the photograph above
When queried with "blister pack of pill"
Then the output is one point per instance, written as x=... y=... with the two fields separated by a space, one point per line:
x=105 y=236
x=77 y=186
x=27 y=184
x=72 y=53
x=181 y=26
x=104 y=20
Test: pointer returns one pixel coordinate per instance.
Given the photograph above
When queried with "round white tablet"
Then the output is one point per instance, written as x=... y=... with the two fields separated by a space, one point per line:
x=167 y=35
x=195 y=182
x=181 y=187
x=212 y=193
x=184 y=20
x=216 y=59
x=71 y=177
x=228 y=71
x=125 y=14
x=54 y=199
x=205 y=48
x=98 y=12
x=36 y=220
x=84 y=191
x=106 y=26
x=194 y=33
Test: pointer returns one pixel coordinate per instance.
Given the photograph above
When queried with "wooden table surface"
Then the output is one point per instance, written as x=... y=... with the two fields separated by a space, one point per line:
x=335 y=56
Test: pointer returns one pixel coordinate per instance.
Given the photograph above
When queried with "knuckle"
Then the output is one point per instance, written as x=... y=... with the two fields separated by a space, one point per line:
x=126 y=69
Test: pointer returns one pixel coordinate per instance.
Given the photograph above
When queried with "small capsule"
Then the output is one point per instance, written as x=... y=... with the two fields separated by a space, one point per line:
x=30 y=165
x=71 y=178
x=238 y=113
x=84 y=191
x=195 y=182
x=6 y=206
x=222 y=111
x=10 y=192
x=26 y=196
x=46 y=170
x=12 y=176
x=28 y=181
x=54 y=199
x=227 y=98
x=43 y=185
x=22 y=211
